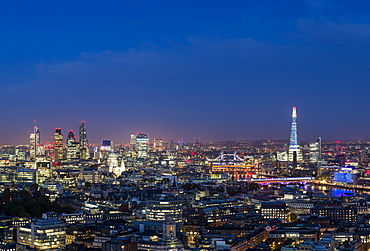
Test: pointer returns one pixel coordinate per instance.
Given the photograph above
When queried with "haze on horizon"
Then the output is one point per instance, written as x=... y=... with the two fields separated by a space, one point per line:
x=180 y=70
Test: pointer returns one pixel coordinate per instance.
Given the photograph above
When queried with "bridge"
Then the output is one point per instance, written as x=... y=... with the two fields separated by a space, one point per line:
x=278 y=179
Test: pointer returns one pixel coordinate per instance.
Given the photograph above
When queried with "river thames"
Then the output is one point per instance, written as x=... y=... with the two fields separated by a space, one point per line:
x=332 y=191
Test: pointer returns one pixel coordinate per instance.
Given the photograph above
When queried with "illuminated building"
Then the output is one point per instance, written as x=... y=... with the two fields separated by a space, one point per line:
x=346 y=176
x=20 y=154
x=231 y=164
x=35 y=143
x=26 y=176
x=6 y=230
x=336 y=213
x=71 y=138
x=107 y=145
x=315 y=151
x=44 y=234
x=58 y=145
x=165 y=206
x=275 y=210
x=73 y=147
x=85 y=154
x=158 y=144
x=133 y=142
x=43 y=171
x=113 y=164
x=295 y=231
x=295 y=153
x=142 y=144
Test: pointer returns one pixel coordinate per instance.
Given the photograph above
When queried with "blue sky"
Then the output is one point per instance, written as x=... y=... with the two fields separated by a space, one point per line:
x=217 y=70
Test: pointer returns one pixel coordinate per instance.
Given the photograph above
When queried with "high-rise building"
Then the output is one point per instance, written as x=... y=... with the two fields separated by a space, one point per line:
x=58 y=145
x=158 y=145
x=133 y=142
x=35 y=146
x=295 y=153
x=315 y=151
x=142 y=144
x=85 y=154
x=73 y=147
x=71 y=138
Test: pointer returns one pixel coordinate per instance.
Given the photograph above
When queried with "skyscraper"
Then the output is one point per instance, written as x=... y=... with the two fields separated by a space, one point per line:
x=85 y=154
x=35 y=143
x=133 y=142
x=58 y=145
x=315 y=151
x=295 y=153
x=73 y=147
x=142 y=141
x=71 y=138
x=158 y=144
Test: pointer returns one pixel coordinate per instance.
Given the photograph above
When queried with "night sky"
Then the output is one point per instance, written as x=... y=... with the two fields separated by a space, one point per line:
x=217 y=70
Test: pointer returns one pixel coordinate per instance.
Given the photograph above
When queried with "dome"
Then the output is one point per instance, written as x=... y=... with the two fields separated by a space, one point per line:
x=112 y=155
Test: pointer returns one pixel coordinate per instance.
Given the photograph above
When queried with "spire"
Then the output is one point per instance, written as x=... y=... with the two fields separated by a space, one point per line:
x=293 y=131
x=294 y=150
x=294 y=113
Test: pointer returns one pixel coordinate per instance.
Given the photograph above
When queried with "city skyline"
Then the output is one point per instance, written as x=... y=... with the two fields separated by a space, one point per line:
x=49 y=140
x=185 y=70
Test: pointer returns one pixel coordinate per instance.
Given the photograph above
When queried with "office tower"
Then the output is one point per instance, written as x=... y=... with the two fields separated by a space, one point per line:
x=315 y=151
x=133 y=142
x=295 y=153
x=73 y=147
x=83 y=142
x=58 y=145
x=71 y=138
x=142 y=144
x=158 y=144
x=35 y=147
